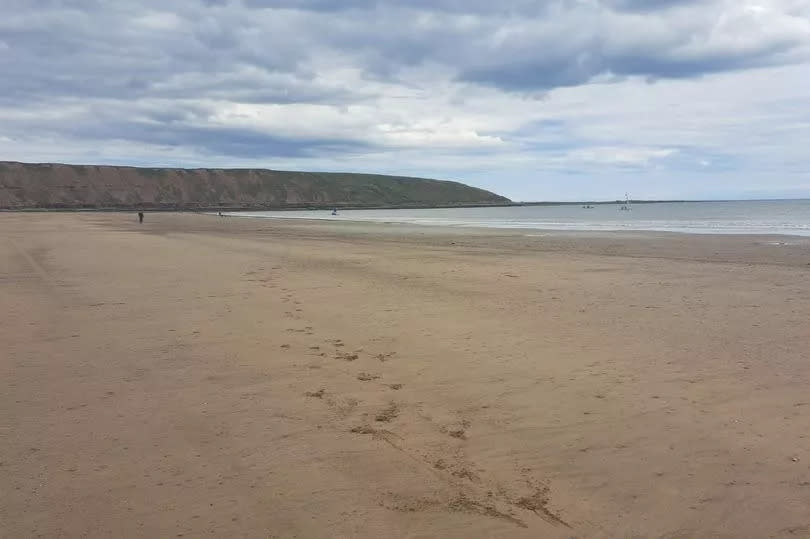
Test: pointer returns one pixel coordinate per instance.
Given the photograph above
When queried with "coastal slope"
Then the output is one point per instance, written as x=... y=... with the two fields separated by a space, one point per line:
x=60 y=186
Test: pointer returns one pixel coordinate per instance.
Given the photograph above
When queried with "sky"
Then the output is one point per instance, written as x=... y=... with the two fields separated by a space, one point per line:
x=535 y=100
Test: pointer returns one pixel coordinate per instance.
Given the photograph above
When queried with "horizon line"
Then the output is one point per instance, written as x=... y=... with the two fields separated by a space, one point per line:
x=656 y=201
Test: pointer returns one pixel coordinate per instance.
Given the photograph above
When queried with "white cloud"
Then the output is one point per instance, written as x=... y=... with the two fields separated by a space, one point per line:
x=618 y=155
x=156 y=20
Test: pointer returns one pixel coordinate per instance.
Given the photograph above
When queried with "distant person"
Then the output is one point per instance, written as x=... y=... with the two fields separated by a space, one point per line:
x=140 y=217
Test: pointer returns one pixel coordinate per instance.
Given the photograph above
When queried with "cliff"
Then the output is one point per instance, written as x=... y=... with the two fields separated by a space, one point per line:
x=58 y=186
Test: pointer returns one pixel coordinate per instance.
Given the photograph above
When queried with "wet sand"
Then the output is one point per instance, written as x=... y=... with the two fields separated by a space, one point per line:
x=205 y=376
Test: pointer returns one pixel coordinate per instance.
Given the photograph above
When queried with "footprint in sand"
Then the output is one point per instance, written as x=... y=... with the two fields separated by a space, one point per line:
x=464 y=473
x=458 y=431
x=459 y=470
x=388 y=414
x=537 y=502
x=363 y=429
x=343 y=406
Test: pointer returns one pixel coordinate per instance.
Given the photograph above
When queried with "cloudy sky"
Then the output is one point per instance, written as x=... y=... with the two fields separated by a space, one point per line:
x=536 y=100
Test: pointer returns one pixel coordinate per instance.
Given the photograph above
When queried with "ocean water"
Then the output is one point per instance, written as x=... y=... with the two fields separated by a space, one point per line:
x=786 y=217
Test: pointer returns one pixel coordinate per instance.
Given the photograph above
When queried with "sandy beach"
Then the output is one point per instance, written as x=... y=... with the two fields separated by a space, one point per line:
x=201 y=376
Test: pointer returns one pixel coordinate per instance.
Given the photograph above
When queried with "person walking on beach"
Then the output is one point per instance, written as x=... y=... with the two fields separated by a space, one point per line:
x=140 y=217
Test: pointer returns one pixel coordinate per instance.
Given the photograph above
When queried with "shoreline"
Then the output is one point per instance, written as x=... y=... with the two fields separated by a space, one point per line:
x=587 y=232
x=710 y=248
x=562 y=224
x=193 y=208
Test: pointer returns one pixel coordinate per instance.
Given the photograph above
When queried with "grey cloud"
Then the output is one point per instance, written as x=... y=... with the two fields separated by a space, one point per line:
x=645 y=6
x=311 y=5
x=520 y=46
x=88 y=51
x=523 y=7
x=76 y=47
x=185 y=127
x=243 y=143
x=551 y=72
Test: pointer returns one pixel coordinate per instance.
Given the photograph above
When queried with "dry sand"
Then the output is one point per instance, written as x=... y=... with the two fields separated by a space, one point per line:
x=203 y=376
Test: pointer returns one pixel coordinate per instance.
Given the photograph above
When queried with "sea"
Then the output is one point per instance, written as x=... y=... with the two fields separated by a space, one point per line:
x=779 y=217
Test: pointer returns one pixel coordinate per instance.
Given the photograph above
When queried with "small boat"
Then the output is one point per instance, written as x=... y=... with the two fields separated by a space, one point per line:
x=626 y=206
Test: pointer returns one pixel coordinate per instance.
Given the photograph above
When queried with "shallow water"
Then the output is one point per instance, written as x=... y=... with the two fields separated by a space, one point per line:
x=789 y=217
